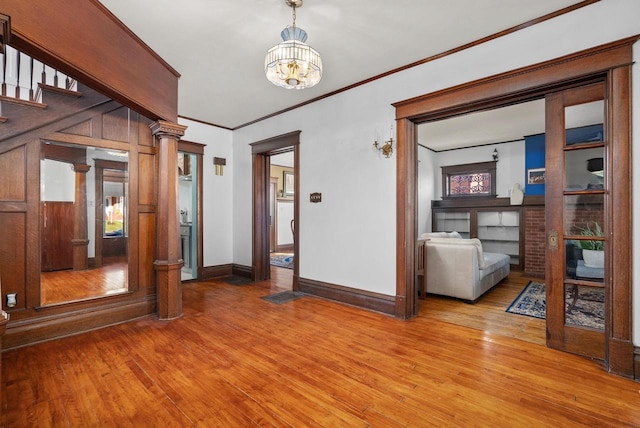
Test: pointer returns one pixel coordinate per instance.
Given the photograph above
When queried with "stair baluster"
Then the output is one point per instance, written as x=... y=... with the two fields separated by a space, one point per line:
x=4 y=73
x=31 y=98
x=17 y=96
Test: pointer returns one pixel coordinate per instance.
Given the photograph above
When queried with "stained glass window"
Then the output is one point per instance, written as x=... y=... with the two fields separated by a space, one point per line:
x=476 y=179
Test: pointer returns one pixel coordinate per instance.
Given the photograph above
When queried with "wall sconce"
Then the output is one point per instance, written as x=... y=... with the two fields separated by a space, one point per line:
x=219 y=164
x=495 y=155
x=386 y=149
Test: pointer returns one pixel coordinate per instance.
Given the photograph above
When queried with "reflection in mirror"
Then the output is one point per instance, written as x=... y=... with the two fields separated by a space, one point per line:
x=84 y=224
x=583 y=123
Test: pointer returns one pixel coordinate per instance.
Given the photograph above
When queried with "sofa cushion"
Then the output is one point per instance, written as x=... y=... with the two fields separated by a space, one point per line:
x=430 y=235
x=474 y=242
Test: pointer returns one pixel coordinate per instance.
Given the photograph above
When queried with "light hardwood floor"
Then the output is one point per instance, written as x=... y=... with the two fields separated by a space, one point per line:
x=236 y=360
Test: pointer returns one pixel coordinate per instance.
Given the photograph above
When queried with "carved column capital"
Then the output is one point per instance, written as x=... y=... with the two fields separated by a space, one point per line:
x=80 y=167
x=167 y=129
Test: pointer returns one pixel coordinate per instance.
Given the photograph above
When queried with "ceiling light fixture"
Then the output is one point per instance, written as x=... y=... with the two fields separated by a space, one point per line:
x=293 y=64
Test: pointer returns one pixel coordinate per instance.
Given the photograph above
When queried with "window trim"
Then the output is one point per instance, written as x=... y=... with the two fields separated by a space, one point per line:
x=469 y=168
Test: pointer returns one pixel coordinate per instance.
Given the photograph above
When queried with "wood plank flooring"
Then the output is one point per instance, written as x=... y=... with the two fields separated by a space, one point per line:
x=236 y=360
x=69 y=285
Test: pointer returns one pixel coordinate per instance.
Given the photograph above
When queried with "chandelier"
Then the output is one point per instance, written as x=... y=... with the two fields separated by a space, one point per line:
x=293 y=64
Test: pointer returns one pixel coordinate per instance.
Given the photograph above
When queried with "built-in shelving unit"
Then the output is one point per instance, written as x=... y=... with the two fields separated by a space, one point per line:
x=492 y=220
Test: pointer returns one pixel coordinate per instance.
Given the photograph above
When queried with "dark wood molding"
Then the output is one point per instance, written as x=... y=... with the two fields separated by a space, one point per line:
x=284 y=248
x=406 y=305
x=210 y=272
x=619 y=170
x=351 y=296
x=34 y=330
x=430 y=59
x=528 y=201
x=636 y=363
x=261 y=151
x=277 y=144
x=518 y=85
x=242 y=270
x=204 y=122
x=610 y=63
x=191 y=147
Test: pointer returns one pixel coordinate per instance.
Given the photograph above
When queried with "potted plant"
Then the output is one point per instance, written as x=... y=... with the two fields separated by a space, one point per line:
x=592 y=250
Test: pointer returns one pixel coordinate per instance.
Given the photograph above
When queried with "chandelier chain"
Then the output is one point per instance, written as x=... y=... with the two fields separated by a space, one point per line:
x=294 y=15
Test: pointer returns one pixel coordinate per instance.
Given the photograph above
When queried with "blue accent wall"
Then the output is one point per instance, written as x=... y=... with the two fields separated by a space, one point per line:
x=534 y=158
x=535 y=155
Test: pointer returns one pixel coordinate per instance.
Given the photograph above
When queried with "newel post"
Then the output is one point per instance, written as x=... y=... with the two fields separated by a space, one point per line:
x=168 y=251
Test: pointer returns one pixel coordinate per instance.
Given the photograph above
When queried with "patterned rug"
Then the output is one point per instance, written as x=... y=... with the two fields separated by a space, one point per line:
x=587 y=312
x=282 y=260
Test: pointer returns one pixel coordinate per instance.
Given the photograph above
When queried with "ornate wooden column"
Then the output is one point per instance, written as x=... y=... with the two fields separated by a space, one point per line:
x=80 y=239
x=168 y=251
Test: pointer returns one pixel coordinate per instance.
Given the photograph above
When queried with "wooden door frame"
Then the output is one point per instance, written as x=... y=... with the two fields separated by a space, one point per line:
x=613 y=61
x=261 y=151
x=196 y=149
x=273 y=230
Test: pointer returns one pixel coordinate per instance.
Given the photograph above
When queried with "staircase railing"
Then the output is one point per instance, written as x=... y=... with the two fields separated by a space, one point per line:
x=20 y=77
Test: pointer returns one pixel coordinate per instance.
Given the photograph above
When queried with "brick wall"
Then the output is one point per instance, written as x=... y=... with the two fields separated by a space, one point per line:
x=534 y=241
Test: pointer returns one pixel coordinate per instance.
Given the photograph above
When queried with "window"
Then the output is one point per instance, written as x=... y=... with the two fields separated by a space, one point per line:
x=469 y=180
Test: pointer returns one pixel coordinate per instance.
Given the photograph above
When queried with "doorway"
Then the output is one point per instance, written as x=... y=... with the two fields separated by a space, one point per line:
x=190 y=208
x=281 y=212
x=277 y=148
x=610 y=64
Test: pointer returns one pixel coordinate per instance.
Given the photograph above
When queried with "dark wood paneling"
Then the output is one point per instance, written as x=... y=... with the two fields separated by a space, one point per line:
x=114 y=247
x=45 y=328
x=115 y=125
x=13 y=165
x=56 y=235
x=351 y=296
x=12 y=256
x=144 y=132
x=84 y=128
x=110 y=58
x=146 y=249
x=146 y=185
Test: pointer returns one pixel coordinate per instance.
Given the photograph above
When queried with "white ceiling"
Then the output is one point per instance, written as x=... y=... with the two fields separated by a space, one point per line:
x=218 y=46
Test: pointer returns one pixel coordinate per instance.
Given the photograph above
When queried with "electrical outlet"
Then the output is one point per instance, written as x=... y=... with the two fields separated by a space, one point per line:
x=12 y=300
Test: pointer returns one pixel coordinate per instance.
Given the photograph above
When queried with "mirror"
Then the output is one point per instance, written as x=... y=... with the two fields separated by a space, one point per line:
x=84 y=223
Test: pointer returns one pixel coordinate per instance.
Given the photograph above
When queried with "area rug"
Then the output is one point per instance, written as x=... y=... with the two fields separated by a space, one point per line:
x=282 y=260
x=587 y=312
x=283 y=297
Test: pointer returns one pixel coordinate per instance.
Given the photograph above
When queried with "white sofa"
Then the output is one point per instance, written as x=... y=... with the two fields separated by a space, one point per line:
x=459 y=267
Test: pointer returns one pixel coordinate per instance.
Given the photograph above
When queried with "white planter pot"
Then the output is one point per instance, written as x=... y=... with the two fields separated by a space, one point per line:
x=593 y=259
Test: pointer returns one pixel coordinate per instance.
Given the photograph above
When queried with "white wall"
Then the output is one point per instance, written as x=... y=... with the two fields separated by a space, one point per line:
x=349 y=238
x=217 y=191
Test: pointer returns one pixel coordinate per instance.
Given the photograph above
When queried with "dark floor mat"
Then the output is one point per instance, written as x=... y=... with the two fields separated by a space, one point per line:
x=283 y=297
x=238 y=280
